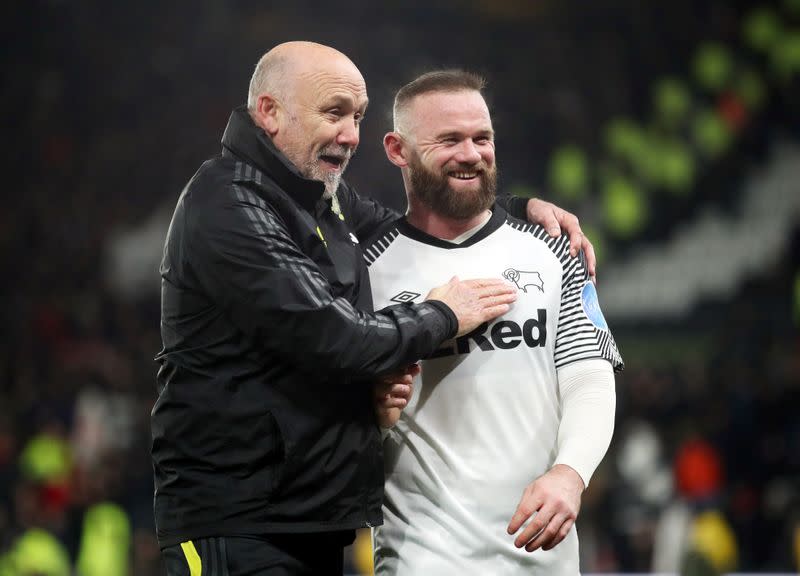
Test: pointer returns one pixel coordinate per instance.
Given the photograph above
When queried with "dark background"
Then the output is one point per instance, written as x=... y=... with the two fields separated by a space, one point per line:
x=111 y=106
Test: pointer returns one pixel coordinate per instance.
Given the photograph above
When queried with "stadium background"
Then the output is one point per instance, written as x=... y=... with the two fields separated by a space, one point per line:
x=670 y=128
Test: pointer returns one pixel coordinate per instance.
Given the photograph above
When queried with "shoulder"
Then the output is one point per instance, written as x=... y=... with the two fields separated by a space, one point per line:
x=558 y=246
x=572 y=267
x=225 y=192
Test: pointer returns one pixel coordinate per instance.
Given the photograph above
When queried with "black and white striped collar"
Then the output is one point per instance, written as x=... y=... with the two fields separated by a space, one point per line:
x=495 y=221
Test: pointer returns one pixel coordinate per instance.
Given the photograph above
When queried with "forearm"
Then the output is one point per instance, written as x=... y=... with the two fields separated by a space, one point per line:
x=248 y=263
x=588 y=403
x=515 y=205
x=365 y=215
x=336 y=338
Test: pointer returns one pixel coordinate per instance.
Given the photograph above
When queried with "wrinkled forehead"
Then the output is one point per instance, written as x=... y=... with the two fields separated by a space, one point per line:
x=439 y=112
x=338 y=78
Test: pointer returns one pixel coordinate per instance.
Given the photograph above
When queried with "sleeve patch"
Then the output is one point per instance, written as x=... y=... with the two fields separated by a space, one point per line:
x=591 y=306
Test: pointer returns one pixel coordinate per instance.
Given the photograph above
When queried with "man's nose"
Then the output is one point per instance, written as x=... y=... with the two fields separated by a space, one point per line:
x=348 y=135
x=468 y=153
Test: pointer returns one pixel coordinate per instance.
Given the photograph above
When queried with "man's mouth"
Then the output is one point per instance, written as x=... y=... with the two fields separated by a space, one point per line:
x=464 y=174
x=333 y=162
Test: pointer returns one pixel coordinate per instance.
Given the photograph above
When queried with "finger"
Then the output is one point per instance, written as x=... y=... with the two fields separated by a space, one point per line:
x=493 y=312
x=478 y=283
x=414 y=370
x=398 y=390
x=544 y=214
x=591 y=260
x=498 y=300
x=546 y=536
x=534 y=527
x=496 y=290
x=533 y=536
x=551 y=224
x=526 y=508
x=575 y=243
x=560 y=535
x=569 y=222
x=401 y=391
x=389 y=401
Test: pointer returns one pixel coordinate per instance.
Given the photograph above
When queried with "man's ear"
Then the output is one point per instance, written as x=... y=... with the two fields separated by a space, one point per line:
x=395 y=149
x=268 y=114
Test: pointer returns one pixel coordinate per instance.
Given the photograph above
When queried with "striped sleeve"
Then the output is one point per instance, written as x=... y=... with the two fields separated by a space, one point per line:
x=247 y=262
x=583 y=332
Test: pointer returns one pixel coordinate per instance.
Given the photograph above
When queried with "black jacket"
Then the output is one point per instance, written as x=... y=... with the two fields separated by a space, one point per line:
x=264 y=419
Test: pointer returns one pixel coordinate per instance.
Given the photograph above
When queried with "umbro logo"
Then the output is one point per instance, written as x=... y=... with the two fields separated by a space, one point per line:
x=524 y=279
x=404 y=296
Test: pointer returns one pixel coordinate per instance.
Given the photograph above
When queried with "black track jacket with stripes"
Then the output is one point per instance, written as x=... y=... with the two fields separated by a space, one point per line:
x=264 y=420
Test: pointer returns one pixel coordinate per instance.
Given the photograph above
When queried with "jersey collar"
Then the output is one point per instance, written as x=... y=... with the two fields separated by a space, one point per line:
x=497 y=219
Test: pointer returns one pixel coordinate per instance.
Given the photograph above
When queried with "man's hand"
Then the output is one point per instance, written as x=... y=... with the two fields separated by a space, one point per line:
x=392 y=394
x=475 y=301
x=554 y=219
x=554 y=500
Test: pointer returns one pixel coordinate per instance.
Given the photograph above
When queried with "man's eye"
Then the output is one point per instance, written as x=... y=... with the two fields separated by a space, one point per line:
x=359 y=118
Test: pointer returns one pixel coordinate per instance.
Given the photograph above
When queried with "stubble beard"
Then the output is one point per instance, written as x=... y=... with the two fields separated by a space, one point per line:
x=314 y=170
x=434 y=191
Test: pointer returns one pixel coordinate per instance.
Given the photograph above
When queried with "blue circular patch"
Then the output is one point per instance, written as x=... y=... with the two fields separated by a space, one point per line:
x=591 y=306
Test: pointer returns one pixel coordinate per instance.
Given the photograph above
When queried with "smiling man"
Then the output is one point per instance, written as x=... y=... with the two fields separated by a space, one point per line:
x=486 y=466
x=266 y=452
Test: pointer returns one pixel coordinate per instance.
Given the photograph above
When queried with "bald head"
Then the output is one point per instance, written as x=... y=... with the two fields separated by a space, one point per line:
x=310 y=100
x=278 y=71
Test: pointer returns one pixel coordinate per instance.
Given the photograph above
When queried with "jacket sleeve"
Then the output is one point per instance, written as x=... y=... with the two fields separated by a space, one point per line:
x=246 y=261
x=514 y=205
x=364 y=215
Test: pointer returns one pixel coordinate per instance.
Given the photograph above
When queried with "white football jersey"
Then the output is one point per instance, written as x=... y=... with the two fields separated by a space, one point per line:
x=483 y=420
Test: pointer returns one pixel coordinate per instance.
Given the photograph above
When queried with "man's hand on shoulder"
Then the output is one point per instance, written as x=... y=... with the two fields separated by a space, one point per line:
x=552 y=503
x=554 y=220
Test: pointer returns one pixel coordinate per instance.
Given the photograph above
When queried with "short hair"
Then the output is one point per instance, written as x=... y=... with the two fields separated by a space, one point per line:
x=269 y=76
x=448 y=80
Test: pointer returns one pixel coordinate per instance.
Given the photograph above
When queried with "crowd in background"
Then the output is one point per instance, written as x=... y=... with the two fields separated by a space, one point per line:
x=112 y=106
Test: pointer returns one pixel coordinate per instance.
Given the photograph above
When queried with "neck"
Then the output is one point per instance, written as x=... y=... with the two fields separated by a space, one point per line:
x=438 y=226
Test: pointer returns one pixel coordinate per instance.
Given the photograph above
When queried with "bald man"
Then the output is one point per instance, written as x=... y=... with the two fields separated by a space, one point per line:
x=266 y=452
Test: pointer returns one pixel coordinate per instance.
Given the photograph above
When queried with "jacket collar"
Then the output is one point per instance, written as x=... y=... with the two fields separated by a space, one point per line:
x=244 y=139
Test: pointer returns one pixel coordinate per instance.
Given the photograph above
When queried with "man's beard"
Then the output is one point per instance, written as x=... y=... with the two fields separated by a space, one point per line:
x=314 y=170
x=434 y=191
